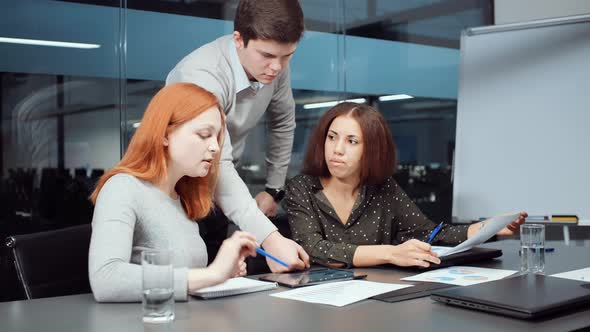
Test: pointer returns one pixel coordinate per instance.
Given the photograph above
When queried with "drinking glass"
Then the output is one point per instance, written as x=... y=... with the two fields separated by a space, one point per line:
x=157 y=286
x=532 y=248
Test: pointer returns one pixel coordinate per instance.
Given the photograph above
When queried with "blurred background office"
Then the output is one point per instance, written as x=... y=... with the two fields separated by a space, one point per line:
x=76 y=76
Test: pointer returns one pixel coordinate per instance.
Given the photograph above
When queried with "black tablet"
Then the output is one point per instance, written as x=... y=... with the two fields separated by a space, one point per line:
x=311 y=277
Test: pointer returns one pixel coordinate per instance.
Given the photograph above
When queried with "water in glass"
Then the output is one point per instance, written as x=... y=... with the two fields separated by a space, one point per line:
x=532 y=259
x=158 y=305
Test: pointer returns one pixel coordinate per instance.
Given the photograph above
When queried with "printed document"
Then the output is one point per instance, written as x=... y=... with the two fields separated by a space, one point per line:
x=580 y=275
x=340 y=293
x=461 y=275
x=492 y=226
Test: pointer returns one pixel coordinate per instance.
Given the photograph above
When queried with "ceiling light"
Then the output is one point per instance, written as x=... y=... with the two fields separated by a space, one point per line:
x=333 y=103
x=395 y=97
x=47 y=43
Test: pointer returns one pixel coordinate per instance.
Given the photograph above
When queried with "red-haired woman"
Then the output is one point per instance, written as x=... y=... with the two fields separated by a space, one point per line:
x=152 y=197
x=347 y=210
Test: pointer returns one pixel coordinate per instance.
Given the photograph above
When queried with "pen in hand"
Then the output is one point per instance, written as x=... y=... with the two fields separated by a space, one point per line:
x=265 y=254
x=434 y=232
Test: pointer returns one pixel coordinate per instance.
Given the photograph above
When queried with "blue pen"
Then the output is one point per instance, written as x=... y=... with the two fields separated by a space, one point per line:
x=265 y=254
x=434 y=232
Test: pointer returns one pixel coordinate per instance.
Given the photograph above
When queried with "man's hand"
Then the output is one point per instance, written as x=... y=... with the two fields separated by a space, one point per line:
x=286 y=250
x=267 y=204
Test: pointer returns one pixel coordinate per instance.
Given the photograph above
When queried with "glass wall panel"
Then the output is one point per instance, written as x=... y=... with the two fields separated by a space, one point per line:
x=60 y=108
x=412 y=48
x=160 y=34
x=69 y=110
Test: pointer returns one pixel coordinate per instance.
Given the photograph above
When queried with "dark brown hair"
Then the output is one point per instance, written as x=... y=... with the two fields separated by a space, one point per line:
x=277 y=20
x=379 y=158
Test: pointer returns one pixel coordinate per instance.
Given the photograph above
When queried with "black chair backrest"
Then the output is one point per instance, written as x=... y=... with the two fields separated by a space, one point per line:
x=53 y=263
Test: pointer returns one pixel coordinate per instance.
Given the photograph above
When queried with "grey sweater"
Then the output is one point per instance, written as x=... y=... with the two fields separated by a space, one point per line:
x=132 y=215
x=216 y=67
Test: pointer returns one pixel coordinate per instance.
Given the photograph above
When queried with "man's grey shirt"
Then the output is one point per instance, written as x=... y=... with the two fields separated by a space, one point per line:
x=215 y=67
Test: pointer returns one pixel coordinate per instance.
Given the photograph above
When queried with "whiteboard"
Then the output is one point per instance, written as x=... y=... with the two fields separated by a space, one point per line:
x=523 y=120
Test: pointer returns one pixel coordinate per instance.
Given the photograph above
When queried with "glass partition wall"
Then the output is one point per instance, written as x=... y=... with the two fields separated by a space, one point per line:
x=76 y=77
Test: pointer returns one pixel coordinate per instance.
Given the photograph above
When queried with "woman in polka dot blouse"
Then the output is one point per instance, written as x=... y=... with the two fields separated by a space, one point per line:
x=347 y=210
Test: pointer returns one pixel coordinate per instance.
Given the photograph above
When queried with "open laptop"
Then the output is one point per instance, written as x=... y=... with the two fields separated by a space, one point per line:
x=524 y=296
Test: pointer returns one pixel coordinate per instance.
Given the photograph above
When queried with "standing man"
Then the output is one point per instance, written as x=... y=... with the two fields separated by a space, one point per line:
x=248 y=71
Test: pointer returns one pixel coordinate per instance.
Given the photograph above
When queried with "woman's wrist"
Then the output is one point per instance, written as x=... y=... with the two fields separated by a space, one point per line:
x=371 y=255
x=384 y=253
x=388 y=253
x=201 y=278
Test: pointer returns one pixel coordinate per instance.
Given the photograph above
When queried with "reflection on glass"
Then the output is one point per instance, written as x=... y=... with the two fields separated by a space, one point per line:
x=68 y=112
x=59 y=107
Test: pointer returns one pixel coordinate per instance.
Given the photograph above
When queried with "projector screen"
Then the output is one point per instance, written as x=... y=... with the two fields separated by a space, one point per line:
x=523 y=120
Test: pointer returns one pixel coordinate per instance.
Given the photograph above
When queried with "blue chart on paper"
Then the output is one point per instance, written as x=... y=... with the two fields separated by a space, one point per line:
x=461 y=271
x=476 y=278
x=441 y=278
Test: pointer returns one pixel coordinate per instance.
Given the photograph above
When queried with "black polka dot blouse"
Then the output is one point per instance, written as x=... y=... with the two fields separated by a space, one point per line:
x=382 y=214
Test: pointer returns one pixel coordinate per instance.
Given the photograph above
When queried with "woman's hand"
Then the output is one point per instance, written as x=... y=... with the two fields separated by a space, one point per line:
x=514 y=227
x=241 y=270
x=412 y=253
x=229 y=261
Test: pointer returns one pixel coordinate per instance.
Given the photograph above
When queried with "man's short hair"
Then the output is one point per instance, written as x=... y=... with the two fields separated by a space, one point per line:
x=276 y=20
x=379 y=157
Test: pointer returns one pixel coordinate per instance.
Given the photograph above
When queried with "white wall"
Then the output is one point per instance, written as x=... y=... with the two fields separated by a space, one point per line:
x=522 y=121
x=512 y=11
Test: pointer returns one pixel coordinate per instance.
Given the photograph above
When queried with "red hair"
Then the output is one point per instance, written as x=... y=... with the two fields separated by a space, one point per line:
x=146 y=157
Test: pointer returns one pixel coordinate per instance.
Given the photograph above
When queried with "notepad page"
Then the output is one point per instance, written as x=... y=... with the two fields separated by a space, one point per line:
x=234 y=286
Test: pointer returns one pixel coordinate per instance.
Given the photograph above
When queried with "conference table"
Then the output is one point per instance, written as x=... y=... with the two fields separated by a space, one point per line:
x=261 y=312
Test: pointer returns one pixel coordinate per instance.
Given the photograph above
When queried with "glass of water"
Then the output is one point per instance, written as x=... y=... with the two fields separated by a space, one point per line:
x=532 y=248
x=158 y=286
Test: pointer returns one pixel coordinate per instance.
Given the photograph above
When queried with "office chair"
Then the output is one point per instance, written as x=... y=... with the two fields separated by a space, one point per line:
x=52 y=263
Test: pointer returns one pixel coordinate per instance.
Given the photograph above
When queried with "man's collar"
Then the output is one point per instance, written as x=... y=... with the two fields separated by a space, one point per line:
x=240 y=76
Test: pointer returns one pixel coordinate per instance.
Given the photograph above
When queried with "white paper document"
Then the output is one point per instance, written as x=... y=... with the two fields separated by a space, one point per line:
x=340 y=293
x=492 y=226
x=580 y=275
x=440 y=249
x=461 y=275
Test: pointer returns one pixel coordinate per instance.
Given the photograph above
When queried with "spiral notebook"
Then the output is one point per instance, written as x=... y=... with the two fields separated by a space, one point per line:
x=234 y=286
